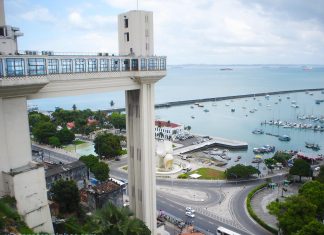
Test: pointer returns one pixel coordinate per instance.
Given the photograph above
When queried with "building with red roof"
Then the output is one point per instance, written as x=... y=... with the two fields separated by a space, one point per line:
x=167 y=130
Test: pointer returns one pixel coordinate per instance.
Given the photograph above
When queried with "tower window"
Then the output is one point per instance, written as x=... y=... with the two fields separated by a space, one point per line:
x=126 y=23
x=126 y=37
x=2 y=32
x=146 y=19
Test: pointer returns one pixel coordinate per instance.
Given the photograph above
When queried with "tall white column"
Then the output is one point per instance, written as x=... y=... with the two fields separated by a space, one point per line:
x=14 y=134
x=141 y=153
x=2 y=14
x=19 y=176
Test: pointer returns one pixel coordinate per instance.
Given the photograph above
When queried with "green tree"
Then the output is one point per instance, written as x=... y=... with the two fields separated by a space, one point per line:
x=108 y=145
x=312 y=228
x=89 y=160
x=65 y=136
x=43 y=131
x=112 y=103
x=282 y=157
x=119 y=221
x=118 y=120
x=54 y=141
x=66 y=194
x=270 y=162
x=320 y=176
x=240 y=171
x=300 y=168
x=100 y=171
x=313 y=191
x=293 y=213
x=35 y=117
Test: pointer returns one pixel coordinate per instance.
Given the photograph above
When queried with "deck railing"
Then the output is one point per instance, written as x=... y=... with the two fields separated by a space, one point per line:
x=46 y=63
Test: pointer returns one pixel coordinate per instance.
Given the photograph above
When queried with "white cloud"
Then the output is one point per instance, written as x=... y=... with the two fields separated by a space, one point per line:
x=41 y=14
x=204 y=31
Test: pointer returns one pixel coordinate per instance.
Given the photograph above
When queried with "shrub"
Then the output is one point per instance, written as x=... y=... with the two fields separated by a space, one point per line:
x=251 y=212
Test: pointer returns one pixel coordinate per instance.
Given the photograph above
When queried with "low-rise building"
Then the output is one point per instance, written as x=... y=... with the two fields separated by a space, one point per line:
x=168 y=130
x=76 y=171
x=95 y=197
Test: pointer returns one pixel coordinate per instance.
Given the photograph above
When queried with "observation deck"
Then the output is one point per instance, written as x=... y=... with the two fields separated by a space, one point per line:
x=48 y=74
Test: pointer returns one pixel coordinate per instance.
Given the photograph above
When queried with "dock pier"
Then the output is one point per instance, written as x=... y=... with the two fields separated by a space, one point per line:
x=215 y=141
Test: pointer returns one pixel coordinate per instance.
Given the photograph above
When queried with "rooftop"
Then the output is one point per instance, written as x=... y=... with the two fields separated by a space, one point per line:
x=166 y=124
x=63 y=168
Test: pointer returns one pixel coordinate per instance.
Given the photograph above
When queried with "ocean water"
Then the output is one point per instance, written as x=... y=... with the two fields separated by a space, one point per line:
x=201 y=81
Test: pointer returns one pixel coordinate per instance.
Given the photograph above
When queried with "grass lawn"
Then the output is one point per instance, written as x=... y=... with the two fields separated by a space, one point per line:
x=208 y=174
x=77 y=142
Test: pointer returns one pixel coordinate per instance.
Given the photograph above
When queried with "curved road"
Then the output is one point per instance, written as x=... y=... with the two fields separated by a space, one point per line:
x=204 y=219
x=176 y=206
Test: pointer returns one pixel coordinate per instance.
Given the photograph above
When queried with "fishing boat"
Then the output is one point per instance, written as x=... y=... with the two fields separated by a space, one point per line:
x=193 y=117
x=258 y=131
x=312 y=146
x=284 y=138
x=206 y=110
x=232 y=110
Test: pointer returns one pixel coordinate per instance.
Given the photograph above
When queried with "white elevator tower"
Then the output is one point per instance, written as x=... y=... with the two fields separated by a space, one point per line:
x=135 y=33
x=25 y=76
x=8 y=35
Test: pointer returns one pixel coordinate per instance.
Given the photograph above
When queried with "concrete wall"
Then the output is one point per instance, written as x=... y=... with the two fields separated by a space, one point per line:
x=28 y=187
x=140 y=30
x=8 y=46
x=16 y=132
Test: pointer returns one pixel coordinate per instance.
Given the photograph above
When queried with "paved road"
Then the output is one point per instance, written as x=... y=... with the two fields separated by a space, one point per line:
x=175 y=205
x=201 y=220
x=50 y=155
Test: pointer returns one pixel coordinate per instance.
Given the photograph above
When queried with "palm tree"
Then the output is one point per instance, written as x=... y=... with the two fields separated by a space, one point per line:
x=120 y=221
x=112 y=103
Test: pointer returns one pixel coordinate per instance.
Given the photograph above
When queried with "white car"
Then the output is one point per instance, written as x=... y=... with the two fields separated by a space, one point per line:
x=190 y=214
x=189 y=209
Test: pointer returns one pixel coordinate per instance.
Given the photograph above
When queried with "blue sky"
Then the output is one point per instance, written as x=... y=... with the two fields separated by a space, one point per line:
x=187 y=31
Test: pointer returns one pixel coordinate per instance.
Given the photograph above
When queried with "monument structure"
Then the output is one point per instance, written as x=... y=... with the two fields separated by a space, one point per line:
x=31 y=74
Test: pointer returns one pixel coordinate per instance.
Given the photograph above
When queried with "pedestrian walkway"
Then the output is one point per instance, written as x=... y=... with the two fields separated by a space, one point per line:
x=264 y=197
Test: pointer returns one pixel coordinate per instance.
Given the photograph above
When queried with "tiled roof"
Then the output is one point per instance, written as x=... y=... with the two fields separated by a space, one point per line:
x=166 y=124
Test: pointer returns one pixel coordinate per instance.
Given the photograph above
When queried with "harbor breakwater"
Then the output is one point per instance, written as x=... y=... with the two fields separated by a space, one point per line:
x=221 y=98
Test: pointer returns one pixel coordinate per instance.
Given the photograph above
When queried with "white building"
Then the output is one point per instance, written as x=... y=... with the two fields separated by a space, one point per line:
x=167 y=130
x=135 y=33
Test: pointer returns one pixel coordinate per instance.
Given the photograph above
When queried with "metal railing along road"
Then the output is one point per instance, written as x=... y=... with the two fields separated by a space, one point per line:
x=49 y=63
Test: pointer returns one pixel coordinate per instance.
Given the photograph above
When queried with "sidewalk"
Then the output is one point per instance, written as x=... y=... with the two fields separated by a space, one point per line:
x=263 y=198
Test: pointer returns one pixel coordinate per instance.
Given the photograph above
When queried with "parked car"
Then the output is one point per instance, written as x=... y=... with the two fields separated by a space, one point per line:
x=190 y=214
x=189 y=209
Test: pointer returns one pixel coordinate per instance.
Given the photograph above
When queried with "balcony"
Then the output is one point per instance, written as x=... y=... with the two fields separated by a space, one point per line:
x=49 y=74
x=47 y=63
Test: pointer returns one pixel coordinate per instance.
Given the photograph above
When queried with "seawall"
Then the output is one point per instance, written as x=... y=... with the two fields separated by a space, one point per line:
x=220 y=98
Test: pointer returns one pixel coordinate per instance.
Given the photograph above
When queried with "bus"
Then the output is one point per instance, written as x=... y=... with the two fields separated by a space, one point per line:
x=225 y=231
